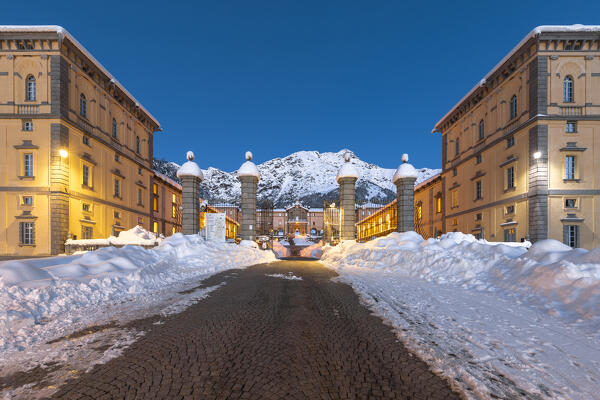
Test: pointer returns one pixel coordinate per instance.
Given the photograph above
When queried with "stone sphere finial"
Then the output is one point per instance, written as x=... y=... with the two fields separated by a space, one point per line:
x=404 y=158
x=347 y=156
x=190 y=155
x=249 y=155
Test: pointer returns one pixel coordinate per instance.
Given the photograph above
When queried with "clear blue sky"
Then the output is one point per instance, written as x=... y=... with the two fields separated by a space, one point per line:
x=280 y=76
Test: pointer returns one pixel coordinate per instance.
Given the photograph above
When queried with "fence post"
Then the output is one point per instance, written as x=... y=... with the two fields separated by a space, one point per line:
x=190 y=175
x=249 y=176
x=404 y=179
x=346 y=178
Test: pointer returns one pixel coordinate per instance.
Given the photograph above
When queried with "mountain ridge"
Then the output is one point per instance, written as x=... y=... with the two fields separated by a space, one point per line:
x=304 y=176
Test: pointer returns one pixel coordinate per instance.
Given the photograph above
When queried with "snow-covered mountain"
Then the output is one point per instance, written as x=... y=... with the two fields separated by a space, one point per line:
x=305 y=176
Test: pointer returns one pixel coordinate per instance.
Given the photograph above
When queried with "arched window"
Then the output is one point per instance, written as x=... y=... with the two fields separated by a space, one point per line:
x=30 y=88
x=82 y=105
x=481 y=129
x=568 y=89
x=137 y=144
x=114 y=128
x=513 y=107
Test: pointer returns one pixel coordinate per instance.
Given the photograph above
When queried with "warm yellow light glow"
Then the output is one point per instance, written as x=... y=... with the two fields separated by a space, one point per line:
x=537 y=154
x=63 y=153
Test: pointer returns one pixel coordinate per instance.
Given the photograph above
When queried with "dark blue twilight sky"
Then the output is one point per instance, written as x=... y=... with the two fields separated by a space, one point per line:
x=280 y=76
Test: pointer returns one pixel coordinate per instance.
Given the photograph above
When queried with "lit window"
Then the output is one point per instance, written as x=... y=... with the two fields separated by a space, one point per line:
x=510 y=177
x=571 y=235
x=481 y=129
x=28 y=126
x=27 y=233
x=568 y=89
x=155 y=227
x=114 y=128
x=155 y=204
x=510 y=235
x=571 y=127
x=455 y=221
x=82 y=106
x=27 y=200
x=154 y=188
x=174 y=230
x=570 y=167
x=86 y=175
x=455 y=198
x=438 y=204
x=174 y=199
x=174 y=211
x=570 y=203
x=513 y=107
x=30 y=88
x=419 y=212
x=28 y=164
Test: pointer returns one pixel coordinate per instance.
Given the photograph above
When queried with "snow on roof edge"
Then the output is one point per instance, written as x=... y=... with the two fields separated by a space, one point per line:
x=534 y=32
x=63 y=33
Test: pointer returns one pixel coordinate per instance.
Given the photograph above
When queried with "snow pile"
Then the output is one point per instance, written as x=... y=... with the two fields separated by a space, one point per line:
x=249 y=168
x=563 y=281
x=280 y=250
x=313 y=251
x=135 y=236
x=289 y=276
x=190 y=168
x=41 y=298
x=502 y=320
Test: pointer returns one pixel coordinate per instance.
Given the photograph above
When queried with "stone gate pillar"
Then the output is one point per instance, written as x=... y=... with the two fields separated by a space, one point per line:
x=404 y=179
x=249 y=176
x=190 y=175
x=346 y=178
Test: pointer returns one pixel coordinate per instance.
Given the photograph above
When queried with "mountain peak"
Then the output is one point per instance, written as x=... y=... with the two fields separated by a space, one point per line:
x=304 y=176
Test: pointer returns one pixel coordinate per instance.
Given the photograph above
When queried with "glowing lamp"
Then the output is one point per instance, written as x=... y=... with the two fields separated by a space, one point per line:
x=63 y=153
x=537 y=154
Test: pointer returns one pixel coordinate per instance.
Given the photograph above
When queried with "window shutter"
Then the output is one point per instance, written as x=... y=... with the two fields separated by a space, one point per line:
x=577 y=235
x=565 y=234
x=21 y=233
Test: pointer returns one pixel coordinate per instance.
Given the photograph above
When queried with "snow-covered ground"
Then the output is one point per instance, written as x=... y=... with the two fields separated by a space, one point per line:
x=46 y=298
x=499 y=319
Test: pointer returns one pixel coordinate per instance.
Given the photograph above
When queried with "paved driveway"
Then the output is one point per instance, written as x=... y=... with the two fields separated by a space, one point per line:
x=265 y=337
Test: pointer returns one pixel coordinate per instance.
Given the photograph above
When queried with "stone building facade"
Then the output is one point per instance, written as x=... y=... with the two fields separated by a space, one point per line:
x=76 y=154
x=520 y=151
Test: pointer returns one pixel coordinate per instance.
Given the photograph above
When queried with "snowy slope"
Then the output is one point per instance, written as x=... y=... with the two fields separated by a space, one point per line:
x=501 y=321
x=305 y=176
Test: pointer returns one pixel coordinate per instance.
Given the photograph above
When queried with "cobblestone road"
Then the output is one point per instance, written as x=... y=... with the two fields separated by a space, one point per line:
x=262 y=337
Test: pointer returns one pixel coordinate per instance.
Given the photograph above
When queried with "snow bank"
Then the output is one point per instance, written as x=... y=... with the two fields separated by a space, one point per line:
x=501 y=320
x=135 y=236
x=280 y=250
x=563 y=281
x=41 y=297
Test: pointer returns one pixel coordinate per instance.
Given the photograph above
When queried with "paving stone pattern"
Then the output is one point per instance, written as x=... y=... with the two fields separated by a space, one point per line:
x=260 y=337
